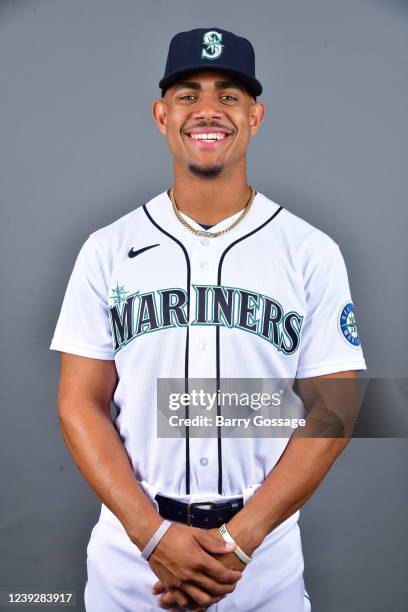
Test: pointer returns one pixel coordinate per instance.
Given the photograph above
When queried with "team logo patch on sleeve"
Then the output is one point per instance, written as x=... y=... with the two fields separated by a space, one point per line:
x=348 y=325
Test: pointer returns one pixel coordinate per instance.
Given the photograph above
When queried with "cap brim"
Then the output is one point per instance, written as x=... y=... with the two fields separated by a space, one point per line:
x=252 y=85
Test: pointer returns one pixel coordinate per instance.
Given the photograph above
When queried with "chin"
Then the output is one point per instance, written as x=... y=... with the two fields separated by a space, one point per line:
x=208 y=172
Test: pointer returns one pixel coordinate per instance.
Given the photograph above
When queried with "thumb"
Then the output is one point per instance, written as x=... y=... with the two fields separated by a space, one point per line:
x=213 y=543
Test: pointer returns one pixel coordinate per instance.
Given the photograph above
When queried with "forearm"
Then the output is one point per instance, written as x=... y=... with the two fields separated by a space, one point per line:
x=101 y=457
x=289 y=485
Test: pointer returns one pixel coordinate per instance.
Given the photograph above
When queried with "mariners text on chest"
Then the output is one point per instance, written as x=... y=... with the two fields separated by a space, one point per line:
x=232 y=307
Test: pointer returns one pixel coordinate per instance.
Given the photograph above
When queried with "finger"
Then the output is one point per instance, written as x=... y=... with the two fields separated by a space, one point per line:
x=168 y=599
x=212 y=544
x=201 y=597
x=215 y=569
x=183 y=600
x=169 y=602
x=213 y=587
x=158 y=588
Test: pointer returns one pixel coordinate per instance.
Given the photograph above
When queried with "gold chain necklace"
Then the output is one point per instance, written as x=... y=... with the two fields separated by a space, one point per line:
x=206 y=232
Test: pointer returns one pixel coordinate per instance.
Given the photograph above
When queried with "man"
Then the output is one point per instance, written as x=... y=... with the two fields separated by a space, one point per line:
x=207 y=280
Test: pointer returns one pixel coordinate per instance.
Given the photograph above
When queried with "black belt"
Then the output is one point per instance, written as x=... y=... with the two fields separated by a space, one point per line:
x=206 y=515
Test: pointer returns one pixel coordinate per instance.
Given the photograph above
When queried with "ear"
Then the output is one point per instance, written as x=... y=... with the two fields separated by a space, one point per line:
x=159 y=112
x=256 y=115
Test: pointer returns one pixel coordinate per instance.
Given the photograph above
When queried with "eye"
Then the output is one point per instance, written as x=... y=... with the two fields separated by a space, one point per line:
x=187 y=97
x=229 y=98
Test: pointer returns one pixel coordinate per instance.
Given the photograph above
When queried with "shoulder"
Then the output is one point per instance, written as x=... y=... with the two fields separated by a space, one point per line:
x=109 y=238
x=296 y=235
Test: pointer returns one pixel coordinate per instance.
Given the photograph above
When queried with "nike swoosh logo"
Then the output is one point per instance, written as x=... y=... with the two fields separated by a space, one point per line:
x=133 y=253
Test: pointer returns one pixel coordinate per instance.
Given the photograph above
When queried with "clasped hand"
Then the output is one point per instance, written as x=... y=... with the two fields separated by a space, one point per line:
x=195 y=567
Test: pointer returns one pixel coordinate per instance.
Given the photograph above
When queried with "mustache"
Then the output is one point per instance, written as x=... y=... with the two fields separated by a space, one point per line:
x=209 y=124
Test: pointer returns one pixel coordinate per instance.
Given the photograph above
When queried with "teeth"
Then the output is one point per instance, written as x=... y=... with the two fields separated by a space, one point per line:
x=210 y=136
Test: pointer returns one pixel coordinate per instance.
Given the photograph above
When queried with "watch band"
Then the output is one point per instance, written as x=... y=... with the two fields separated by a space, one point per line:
x=238 y=551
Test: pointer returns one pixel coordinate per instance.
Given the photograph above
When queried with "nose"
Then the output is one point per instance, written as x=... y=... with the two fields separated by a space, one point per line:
x=208 y=108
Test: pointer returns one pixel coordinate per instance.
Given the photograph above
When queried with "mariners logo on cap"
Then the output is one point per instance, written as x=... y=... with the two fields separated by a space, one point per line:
x=348 y=325
x=212 y=47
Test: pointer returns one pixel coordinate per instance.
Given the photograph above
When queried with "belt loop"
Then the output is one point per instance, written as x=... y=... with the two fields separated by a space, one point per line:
x=248 y=492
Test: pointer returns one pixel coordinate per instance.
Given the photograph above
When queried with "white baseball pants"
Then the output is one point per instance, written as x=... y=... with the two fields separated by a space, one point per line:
x=119 y=580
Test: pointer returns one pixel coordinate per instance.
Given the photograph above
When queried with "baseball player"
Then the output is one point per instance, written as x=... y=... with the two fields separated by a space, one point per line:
x=208 y=279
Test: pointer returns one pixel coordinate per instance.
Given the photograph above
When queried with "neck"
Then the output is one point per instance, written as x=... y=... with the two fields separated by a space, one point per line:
x=209 y=201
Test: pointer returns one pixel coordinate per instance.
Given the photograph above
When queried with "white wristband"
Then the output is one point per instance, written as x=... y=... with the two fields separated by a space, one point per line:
x=238 y=551
x=155 y=539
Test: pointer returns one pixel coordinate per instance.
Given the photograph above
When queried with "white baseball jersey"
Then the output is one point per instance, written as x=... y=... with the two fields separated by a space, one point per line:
x=269 y=299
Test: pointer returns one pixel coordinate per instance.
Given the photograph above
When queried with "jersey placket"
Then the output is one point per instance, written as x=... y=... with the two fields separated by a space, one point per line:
x=204 y=257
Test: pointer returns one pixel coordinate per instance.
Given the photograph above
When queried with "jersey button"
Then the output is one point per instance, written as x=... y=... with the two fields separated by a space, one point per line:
x=201 y=345
x=205 y=241
x=204 y=461
x=204 y=265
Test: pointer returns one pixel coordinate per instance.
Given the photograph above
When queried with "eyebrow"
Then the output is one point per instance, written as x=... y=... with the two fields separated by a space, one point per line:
x=218 y=85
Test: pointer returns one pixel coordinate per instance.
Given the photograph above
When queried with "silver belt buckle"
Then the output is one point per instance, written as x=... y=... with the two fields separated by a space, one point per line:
x=201 y=505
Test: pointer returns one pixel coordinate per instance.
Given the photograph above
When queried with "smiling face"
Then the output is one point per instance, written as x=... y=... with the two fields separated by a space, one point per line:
x=208 y=119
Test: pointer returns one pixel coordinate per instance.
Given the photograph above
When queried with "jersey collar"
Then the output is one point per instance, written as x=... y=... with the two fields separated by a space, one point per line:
x=161 y=210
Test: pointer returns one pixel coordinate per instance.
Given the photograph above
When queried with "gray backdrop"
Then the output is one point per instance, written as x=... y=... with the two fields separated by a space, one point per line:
x=78 y=149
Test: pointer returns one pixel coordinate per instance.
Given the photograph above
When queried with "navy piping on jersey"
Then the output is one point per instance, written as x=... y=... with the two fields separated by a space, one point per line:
x=188 y=281
x=217 y=331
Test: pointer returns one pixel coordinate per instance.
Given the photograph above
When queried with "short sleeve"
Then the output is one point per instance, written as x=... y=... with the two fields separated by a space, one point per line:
x=329 y=340
x=83 y=326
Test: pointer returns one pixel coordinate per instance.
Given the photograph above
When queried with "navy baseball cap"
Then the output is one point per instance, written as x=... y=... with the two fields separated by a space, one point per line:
x=211 y=49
